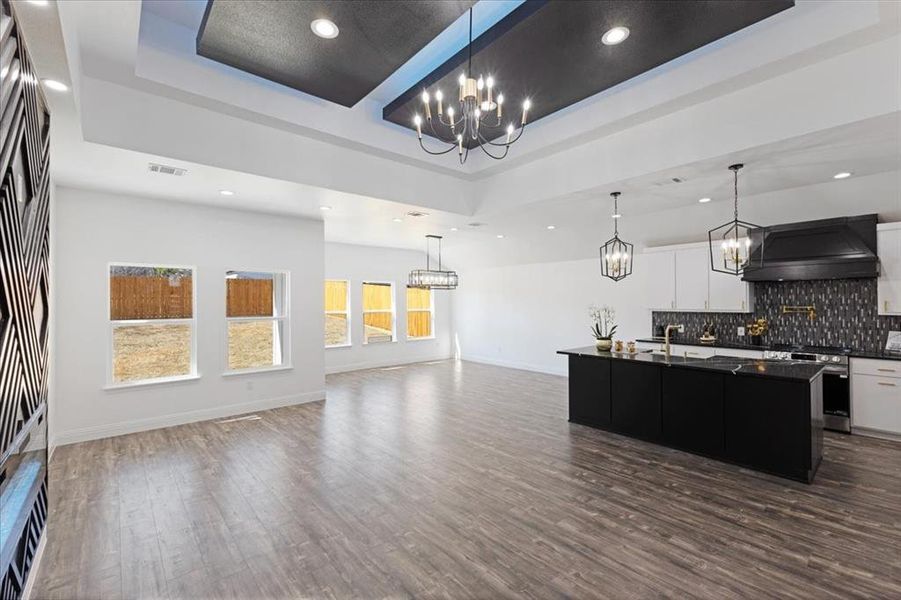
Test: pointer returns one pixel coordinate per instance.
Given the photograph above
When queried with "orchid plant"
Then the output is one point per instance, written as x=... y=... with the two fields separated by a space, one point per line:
x=603 y=322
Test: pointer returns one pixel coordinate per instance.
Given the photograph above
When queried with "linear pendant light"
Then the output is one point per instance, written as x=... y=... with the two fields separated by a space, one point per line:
x=433 y=279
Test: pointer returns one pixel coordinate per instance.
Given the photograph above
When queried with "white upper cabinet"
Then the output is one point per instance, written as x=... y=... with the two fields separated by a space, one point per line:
x=729 y=293
x=888 y=242
x=692 y=268
x=660 y=278
x=680 y=278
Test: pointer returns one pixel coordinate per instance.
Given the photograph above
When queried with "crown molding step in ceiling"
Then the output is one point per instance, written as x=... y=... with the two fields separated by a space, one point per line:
x=279 y=41
x=554 y=53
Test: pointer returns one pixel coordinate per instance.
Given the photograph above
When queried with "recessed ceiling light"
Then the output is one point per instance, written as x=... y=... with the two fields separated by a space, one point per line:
x=500 y=236
x=56 y=86
x=397 y=220
x=552 y=227
x=704 y=200
x=38 y=2
x=616 y=216
x=842 y=175
x=615 y=36
x=453 y=229
x=226 y=192
x=324 y=207
x=324 y=28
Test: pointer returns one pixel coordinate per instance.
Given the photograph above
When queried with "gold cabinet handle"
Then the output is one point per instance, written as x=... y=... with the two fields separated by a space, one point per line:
x=886 y=306
x=886 y=383
x=743 y=305
x=886 y=370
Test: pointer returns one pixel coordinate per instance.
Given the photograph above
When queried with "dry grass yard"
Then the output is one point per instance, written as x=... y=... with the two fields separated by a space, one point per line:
x=250 y=346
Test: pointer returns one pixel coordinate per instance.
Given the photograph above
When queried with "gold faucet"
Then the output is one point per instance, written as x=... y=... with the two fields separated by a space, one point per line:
x=811 y=310
x=669 y=328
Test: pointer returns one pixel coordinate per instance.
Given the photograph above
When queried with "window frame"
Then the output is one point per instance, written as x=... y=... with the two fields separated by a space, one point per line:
x=393 y=310
x=285 y=319
x=112 y=324
x=430 y=310
x=346 y=312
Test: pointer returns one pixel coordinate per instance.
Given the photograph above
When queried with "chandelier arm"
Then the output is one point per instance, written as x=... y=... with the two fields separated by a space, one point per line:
x=451 y=141
x=464 y=156
x=513 y=141
x=452 y=146
x=449 y=123
x=501 y=157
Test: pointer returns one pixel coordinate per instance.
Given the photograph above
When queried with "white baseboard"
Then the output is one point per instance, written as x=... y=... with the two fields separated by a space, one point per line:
x=876 y=433
x=375 y=364
x=104 y=431
x=515 y=364
x=35 y=565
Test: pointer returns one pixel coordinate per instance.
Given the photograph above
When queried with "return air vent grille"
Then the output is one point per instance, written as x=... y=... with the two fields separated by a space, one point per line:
x=166 y=169
x=417 y=214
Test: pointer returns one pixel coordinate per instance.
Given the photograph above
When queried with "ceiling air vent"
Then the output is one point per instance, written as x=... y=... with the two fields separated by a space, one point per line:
x=416 y=213
x=166 y=169
x=475 y=224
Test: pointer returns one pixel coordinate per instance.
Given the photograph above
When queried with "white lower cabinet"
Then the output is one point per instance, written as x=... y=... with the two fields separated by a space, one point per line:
x=876 y=395
x=739 y=353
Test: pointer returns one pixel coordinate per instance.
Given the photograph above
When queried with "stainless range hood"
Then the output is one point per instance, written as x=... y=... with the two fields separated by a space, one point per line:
x=843 y=248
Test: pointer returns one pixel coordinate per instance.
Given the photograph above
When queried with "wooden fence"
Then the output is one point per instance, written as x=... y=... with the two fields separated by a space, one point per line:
x=133 y=297
x=136 y=297
x=249 y=297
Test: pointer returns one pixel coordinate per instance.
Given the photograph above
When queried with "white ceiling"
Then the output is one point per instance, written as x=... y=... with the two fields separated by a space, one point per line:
x=797 y=97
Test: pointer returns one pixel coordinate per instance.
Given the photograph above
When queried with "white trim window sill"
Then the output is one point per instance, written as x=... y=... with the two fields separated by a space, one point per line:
x=257 y=371
x=421 y=339
x=125 y=385
x=339 y=346
x=379 y=343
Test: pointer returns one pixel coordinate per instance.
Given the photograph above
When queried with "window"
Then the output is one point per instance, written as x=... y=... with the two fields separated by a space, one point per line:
x=337 y=313
x=256 y=309
x=151 y=323
x=378 y=312
x=420 y=314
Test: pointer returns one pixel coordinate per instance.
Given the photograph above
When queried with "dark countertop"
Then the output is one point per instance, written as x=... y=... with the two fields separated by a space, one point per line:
x=879 y=354
x=778 y=369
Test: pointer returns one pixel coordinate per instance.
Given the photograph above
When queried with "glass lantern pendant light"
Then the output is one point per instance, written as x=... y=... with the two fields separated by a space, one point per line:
x=616 y=255
x=429 y=278
x=730 y=243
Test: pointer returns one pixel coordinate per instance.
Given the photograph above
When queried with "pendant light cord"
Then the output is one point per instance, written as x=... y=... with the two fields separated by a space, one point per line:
x=736 y=194
x=469 y=67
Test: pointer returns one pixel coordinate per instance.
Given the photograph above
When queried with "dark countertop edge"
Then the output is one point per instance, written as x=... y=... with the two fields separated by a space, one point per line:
x=692 y=363
x=878 y=355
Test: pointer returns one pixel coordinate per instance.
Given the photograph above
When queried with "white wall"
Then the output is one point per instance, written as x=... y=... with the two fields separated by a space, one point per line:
x=361 y=263
x=92 y=229
x=519 y=316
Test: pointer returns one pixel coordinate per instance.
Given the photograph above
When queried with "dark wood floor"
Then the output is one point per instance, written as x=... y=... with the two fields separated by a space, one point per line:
x=457 y=480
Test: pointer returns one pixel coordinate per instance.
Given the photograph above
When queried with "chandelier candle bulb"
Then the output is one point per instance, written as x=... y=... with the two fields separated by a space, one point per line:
x=439 y=97
x=460 y=144
x=509 y=132
x=425 y=101
x=500 y=103
x=418 y=120
x=525 y=110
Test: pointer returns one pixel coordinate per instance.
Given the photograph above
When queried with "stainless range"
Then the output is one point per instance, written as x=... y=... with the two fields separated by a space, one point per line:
x=836 y=382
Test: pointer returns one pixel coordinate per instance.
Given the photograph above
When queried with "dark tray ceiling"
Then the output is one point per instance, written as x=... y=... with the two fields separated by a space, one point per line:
x=552 y=53
x=272 y=39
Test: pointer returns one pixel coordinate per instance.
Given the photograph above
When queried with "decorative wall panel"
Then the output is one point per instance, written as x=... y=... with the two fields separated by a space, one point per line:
x=24 y=307
x=847 y=315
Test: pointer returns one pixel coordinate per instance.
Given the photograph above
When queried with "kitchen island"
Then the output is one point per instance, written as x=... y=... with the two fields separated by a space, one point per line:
x=765 y=415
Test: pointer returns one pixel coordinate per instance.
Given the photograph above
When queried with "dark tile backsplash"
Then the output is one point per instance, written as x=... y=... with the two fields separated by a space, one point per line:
x=846 y=315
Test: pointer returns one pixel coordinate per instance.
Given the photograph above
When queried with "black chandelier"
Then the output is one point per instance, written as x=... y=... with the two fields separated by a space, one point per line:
x=730 y=243
x=616 y=255
x=432 y=279
x=477 y=105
